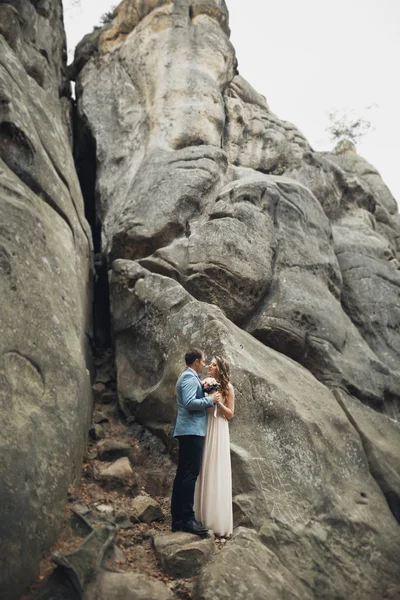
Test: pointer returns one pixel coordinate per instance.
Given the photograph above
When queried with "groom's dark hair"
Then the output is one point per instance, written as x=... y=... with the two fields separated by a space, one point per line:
x=193 y=355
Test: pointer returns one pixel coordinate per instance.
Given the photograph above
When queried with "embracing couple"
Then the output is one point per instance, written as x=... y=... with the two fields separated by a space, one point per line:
x=202 y=490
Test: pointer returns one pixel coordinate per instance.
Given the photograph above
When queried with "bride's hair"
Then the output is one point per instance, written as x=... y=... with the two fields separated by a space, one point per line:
x=224 y=373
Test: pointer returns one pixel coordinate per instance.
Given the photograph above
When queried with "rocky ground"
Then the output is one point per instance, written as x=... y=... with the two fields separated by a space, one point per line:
x=125 y=492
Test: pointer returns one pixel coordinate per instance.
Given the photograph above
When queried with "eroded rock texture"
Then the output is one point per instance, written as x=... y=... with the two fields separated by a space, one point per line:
x=45 y=301
x=304 y=461
x=226 y=230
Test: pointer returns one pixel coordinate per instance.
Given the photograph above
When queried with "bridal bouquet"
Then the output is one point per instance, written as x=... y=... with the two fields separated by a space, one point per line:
x=210 y=385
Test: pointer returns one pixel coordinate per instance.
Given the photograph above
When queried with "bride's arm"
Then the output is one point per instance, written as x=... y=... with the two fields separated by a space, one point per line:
x=228 y=409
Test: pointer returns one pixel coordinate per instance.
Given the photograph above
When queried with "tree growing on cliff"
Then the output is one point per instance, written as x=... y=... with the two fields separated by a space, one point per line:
x=346 y=129
x=107 y=17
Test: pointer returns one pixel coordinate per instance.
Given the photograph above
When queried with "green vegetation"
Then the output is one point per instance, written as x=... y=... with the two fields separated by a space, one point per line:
x=346 y=129
x=107 y=17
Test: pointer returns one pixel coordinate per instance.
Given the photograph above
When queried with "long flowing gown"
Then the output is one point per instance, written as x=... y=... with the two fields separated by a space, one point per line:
x=213 y=493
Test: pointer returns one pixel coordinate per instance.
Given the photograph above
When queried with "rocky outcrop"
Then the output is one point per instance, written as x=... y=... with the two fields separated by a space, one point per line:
x=264 y=573
x=45 y=246
x=213 y=190
x=305 y=474
x=127 y=586
x=221 y=228
x=225 y=229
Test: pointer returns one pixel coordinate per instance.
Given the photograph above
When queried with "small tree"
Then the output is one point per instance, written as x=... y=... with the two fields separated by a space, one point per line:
x=107 y=17
x=346 y=130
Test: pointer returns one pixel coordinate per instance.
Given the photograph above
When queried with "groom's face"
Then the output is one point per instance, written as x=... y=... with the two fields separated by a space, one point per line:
x=200 y=364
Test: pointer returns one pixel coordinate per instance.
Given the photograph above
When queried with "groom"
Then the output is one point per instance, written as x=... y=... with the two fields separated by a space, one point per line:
x=190 y=429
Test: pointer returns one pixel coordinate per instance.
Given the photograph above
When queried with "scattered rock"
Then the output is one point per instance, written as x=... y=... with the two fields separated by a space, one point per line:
x=120 y=516
x=99 y=417
x=98 y=391
x=82 y=509
x=183 y=554
x=123 y=520
x=97 y=432
x=80 y=565
x=127 y=586
x=91 y=454
x=105 y=508
x=146 y=509
x=115 y=555
x=112 y=449
x=150 y=534
x=120 y=473
x=108 y=398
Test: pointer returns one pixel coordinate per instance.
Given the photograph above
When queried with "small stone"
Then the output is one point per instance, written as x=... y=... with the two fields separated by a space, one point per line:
x=97 y=432
x=82 y=509
x=120 y=473
x=150 y=534
x=91 y=453
x=112 y=449
x=108 y=398
x=98 y=391
x=105 y=508
x=99 y=417
x=120 y=516
x=183 y=554
x=122 y=520
x=146 y=509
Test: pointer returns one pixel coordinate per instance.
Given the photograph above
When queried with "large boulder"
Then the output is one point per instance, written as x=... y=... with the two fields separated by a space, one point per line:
x=265 y=576
x=45 y=245
x=301 y=475
x=225 y=229
x=154 y=107
x=215 y=191
x=127 y=586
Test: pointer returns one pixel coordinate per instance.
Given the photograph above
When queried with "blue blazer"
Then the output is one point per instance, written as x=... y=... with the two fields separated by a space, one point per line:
x=192 y=417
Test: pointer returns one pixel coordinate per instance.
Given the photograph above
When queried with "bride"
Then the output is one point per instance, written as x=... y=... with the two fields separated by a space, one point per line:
x=213 y=494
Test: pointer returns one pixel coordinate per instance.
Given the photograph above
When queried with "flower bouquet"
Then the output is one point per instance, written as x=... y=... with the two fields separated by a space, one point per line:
x=210 y=385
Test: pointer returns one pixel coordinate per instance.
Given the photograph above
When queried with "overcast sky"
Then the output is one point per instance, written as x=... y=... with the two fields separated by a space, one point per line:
x=310 y=58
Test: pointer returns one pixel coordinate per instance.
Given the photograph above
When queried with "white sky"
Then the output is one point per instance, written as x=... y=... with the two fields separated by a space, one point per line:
x=310 y=58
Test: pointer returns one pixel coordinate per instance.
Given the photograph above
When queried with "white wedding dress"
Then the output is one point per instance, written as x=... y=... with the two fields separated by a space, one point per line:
x=213 y=493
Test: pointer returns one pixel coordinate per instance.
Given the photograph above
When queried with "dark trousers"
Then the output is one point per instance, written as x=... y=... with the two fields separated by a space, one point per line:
x=189 y=462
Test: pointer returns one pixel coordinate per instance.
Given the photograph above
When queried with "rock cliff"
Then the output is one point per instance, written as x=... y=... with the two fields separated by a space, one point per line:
x=45 y=247
x=222 y=228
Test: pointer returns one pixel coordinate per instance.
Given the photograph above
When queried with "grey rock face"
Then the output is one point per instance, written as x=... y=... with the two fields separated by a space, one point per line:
x=227 y=231
x=254 y=137
x=234 y=235
x=264 y=572
x=45 y=394
x=300 y=472
x=213 y=190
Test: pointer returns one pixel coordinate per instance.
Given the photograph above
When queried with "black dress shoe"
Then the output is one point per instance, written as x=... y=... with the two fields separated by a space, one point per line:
x=193 y=526
x=199 y=523
x=176 y=526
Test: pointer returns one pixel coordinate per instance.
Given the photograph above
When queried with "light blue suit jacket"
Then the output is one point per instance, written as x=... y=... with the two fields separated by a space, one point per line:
x=192 y=417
